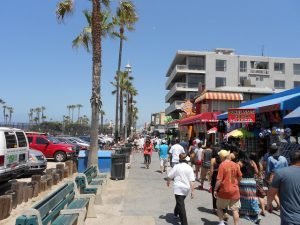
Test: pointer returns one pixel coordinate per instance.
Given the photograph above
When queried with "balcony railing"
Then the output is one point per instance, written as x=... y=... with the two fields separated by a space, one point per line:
x=263 y=72
x=174 y=106
x=179 y=87
x=183 y=68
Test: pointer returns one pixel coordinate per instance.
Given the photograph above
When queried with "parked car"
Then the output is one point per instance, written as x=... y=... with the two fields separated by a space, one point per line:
x=50 y=146
x=14 y=149
x=75 y=140
x=37 y=162
x=101 y=142
x=67 y=141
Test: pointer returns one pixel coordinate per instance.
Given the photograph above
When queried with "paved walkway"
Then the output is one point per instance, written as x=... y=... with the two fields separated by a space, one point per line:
x=144 y=199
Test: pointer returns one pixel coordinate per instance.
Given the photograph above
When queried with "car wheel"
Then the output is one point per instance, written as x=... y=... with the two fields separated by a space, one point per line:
x=60 y=156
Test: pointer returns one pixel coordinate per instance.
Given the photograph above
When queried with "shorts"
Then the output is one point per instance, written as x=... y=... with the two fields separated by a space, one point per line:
x=163 y=162
x=231 y=203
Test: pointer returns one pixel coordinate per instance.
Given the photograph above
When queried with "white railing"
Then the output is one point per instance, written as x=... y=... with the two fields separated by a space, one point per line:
x=259 y=71
x=174 y=106
x=175 y=88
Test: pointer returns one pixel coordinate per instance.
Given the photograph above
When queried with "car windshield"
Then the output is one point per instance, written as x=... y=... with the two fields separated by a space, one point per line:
x=79 y=140
x=53 y=140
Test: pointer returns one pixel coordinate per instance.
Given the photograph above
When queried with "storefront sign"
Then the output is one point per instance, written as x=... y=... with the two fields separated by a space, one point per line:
x=241 y=115
x=269 y=108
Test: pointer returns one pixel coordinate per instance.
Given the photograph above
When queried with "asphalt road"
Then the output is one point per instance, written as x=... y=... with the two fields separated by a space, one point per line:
x=148 y=195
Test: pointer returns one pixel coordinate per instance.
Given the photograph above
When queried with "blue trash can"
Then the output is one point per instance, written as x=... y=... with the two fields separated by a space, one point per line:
x=104 y=160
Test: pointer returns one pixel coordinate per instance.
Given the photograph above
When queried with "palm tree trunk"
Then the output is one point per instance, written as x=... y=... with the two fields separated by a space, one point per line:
x=78 y=114
x=96 y=97
x=118 y=89
x=121 y=112
x=101 y=123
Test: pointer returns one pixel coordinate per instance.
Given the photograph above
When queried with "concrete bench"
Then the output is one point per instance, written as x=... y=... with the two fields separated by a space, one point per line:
x=63 y=206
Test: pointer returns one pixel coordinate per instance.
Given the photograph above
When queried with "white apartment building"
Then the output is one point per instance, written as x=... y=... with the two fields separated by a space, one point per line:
x=223 y=68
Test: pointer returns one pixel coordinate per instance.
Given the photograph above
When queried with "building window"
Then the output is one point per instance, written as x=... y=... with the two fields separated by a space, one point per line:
x=279 y=67
x=279 y=84
x=194 y=80
x=296 y=84
x=243 y=66
x=196 y=63
x=220 y=65
x=242 y=81
x=297 y=69
x=220 y=81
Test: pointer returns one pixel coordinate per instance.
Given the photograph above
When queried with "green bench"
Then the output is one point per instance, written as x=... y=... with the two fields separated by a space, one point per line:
x=90 y=182
x=65 y=206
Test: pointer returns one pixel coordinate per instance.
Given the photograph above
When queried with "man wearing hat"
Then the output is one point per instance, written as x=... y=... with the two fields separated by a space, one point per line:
x=184 y=179
x=163 y=155
x=227 y=190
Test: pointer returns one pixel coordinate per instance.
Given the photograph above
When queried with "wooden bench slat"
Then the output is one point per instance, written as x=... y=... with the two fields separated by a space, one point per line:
x=65 y=219
x=78 y=203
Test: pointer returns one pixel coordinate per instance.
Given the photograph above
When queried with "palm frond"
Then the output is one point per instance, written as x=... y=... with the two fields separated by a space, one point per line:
x=63 y=8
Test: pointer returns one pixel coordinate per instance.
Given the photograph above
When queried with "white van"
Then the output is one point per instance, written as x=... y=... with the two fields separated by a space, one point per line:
x=14 y=150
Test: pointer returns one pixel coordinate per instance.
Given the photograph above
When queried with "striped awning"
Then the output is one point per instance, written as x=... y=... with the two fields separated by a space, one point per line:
x=220 y=96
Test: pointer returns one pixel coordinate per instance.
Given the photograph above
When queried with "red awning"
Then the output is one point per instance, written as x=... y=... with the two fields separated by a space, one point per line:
x=200 y=118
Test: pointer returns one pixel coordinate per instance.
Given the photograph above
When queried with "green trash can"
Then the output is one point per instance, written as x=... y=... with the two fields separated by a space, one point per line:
x=118 y=166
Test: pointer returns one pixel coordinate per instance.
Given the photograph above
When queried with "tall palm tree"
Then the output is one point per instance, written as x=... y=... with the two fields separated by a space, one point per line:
x=10 y=111
x=131 y=92
x=43 y=108
x=66 y=7
x=126 y=17
x=78 y=108
x=124 y=82
x=102 y=113
x=69 y=110
x=4 y=113
x=30 y=115
x=72 y=110
x=38 y=114
x=3 y=103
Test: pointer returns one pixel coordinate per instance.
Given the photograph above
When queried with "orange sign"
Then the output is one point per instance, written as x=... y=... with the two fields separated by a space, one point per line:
x=241 y=115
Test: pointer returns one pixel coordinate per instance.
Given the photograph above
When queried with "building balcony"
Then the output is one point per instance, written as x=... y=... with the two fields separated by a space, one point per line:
x=183 y=69
x=179 y=87
x=259 y=72
x=176 y=105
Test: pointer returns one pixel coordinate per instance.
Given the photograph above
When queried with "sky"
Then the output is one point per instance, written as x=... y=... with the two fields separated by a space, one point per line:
x=39 y=67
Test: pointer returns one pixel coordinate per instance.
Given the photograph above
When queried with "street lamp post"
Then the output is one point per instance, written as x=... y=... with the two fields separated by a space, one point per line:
x=128 y=70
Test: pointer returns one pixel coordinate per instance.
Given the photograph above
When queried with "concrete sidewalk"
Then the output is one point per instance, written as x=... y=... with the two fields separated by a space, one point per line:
x=144 y=199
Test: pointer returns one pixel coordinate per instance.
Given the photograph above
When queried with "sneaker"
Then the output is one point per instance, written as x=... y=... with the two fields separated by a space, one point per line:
x=257 y=220
x=221 y=223
x=200 y=187
x=226 y=217
x=246 y=217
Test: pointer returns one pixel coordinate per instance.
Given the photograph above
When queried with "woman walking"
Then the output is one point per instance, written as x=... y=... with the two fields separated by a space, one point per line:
x=206 y=158
x=148 y=148
x=214 y=166
x=249 y=202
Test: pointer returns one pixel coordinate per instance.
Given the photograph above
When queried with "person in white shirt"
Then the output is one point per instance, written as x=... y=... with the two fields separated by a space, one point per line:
x=184 y=179
x=175 y=151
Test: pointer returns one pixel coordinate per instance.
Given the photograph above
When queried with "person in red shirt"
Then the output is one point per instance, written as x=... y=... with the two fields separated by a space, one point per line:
x=148 y=148
x=227 y=187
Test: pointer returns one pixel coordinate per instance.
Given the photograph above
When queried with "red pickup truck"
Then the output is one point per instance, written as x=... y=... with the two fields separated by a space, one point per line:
x=50 y=146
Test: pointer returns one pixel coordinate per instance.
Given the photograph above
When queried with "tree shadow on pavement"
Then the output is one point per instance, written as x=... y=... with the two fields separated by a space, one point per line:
x=170 y=218
x=208 y=222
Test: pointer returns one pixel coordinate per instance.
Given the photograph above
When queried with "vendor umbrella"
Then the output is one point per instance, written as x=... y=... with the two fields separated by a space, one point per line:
x=239 y=133
x=212 y=130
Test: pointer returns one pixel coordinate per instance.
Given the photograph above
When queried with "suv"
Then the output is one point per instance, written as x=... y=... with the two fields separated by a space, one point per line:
x=13 y=153
x=50 y=146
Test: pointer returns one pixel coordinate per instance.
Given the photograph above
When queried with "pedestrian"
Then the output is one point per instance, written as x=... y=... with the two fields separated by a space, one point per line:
x=148 y=148
x=227 y=187
x=205 y=165
x=286 y=184
x=214 y=167
x=274 y=162
x=198 y=159
x=249 y=201
x=163 y=156
x=175 y=151
x=184 y=179
x=259 y=178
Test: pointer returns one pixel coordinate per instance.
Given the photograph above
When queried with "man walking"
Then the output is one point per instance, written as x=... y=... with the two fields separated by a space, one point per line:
x=175 y=151
x=227 y=190
x=286 y=184
x=163 y=155
x=184 y=179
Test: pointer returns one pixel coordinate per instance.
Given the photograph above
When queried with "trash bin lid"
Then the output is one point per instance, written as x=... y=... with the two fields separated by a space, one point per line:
x=104 y=154
x=82 y=154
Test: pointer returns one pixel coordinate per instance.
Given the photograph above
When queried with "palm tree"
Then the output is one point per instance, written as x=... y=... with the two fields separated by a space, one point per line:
x=131 y=92
x=10 y=111
x=69 y=110
x=72 y=109
x=102 y=113
x=78 y=107
x=30 y=115
x=4 y=113
x=66 y=7
x=43 y=108
x=125 y=18
x=2 y=102
x=38 y=112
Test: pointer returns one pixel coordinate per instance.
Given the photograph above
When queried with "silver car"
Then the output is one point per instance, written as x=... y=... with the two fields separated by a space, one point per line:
x=36 y=161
